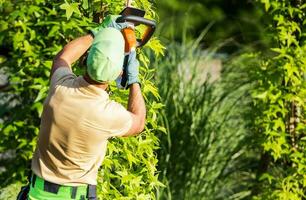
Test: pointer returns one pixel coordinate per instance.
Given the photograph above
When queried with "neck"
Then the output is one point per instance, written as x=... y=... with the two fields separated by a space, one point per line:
x=95 y=83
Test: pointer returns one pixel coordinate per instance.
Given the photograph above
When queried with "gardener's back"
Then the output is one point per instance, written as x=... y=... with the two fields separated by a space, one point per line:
x=77 y=120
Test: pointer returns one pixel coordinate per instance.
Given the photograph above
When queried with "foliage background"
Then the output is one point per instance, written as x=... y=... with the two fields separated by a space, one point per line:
x=238 y=133
x=262 y=52
x=238 y=20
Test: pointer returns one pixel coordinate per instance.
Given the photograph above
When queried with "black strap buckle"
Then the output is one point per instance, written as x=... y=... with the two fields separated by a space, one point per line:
x=51 y=187
x=91 y=192
x=74 y=190
x=33 y=180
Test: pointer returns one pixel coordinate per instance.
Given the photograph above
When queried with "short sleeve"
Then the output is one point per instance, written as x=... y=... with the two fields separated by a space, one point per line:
x=108 y=118
x=60 y=75
x=121 y=120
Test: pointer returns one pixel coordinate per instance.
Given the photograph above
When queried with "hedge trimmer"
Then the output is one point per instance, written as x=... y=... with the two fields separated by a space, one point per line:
x=135 y=17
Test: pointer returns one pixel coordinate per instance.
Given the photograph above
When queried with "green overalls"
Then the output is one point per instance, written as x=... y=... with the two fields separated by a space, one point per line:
x=44 y=190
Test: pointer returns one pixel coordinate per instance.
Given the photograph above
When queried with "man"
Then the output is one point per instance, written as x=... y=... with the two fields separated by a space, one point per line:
x=78 y=116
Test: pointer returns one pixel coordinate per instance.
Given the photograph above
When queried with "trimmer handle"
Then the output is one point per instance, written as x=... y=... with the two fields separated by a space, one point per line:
x=136 y=20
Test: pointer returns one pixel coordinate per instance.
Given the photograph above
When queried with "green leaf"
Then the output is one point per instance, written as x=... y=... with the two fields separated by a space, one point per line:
x=70 y=9
x=279 y=124
x=3 y=25
x=85 y=4
x=261 y=95
x=267 y=4
x=53 y=31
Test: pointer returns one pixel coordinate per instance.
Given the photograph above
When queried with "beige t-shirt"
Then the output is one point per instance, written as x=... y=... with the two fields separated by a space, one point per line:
x=76 y=122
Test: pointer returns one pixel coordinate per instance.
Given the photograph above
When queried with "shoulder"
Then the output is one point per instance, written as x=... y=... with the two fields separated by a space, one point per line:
x=60 y=75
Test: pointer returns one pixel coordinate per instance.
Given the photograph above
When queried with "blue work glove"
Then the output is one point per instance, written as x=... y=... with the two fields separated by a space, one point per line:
x=132 y=69
x=110 y=21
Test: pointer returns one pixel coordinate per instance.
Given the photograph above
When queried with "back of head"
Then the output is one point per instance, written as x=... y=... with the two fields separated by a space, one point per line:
x=106 y=55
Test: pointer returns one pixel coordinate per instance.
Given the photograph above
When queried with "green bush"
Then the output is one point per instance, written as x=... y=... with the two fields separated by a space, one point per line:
x=280 y=99
x=31 y=33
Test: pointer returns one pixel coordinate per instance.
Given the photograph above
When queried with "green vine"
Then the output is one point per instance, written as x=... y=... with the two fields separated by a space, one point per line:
x=280 y=98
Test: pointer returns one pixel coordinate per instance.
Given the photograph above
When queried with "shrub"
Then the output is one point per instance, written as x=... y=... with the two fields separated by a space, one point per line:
x=280 y=99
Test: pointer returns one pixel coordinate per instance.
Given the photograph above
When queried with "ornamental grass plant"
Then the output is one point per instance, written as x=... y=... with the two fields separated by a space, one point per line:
x=209 y=151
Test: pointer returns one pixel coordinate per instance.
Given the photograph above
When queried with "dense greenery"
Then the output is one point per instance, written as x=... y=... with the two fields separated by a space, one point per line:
x=280 y=100
x=271 y=139
x=31 y=33
x=238 y=133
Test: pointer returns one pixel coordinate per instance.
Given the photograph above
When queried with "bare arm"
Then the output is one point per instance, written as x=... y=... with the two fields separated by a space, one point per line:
x=71 y=52
x=136 y=106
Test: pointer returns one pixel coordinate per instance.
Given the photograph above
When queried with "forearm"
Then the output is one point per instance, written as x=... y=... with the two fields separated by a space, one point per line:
x=136 y=105
x=73 y=51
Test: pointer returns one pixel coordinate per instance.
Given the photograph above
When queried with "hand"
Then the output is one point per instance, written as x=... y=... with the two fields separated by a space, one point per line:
x=132 y=69
x=110 y=21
